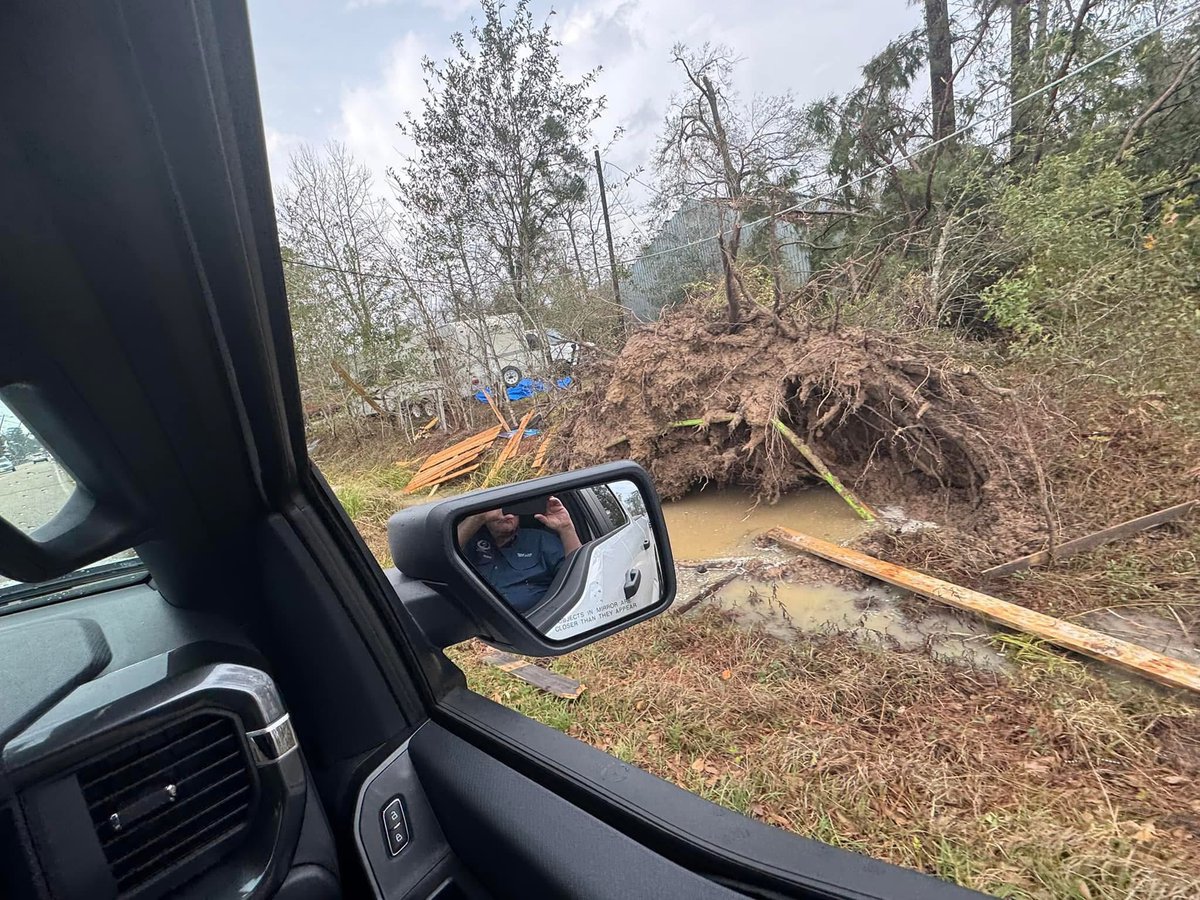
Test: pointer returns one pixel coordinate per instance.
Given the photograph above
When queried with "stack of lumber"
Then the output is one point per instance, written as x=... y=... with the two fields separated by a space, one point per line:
x=453 y=462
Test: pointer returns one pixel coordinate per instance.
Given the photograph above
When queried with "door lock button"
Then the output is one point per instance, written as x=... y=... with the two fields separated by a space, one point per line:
x=395 y=826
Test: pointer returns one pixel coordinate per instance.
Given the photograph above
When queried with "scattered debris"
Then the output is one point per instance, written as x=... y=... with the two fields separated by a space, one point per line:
x=707 y=591
x=428 y=426
x=453 y=462
x=1091 y=541
x=510 y=449
x=899 y=522
x=550 y=682
x=1155 y=666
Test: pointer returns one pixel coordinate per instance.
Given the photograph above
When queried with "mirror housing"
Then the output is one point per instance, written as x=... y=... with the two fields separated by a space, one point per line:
x=424 y=544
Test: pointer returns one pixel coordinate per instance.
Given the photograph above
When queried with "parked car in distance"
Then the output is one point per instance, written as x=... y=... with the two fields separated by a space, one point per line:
x=6 y=465
x=40 y=456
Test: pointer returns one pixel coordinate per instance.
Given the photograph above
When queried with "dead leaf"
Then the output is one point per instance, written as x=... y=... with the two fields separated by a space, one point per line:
x=1177 y=779
x=726 y=675
x=1084 y=891
x=698 y=765
x=1145 y=833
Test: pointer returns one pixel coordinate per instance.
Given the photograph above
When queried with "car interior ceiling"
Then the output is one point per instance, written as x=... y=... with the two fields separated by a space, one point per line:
x=145 y=340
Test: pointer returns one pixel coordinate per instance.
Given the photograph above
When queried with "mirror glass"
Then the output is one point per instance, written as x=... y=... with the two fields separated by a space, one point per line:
x=569 y=562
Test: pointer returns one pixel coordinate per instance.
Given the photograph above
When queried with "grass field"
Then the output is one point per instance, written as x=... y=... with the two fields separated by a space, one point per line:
x=1052 y=779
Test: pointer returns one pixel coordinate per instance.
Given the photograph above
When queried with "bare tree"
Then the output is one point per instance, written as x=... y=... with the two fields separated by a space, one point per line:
x=335 y=227
x=736 y=155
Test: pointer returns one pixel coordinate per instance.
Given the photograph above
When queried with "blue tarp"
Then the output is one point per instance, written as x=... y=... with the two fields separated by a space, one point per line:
x=526 y=388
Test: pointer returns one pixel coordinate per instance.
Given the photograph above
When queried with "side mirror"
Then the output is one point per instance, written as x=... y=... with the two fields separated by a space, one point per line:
x=540 y=567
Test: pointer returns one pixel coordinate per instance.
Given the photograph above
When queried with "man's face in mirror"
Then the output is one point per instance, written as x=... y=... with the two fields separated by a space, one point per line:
x=503 y=528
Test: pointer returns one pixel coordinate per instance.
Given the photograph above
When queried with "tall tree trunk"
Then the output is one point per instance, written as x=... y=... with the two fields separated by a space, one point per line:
x=1018 y=77
x=941 y=67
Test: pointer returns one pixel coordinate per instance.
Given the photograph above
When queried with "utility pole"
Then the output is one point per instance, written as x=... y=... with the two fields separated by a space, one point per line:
x=612 y=261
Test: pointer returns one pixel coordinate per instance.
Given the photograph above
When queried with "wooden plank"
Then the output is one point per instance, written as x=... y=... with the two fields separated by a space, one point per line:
x=428 y=425
x=550 y=682
x=450 y=476
x=482 y=437
x=520 y=434
x=509 y=449
x=450 y=468
x=1131 y=657
x=356 y=387
x=1091 y=541
x=539 y=459
x=864 y=512
x=426 y=477
x=496 y=409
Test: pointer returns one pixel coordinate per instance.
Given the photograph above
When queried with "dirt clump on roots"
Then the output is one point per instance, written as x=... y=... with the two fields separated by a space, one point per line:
x=897 y=421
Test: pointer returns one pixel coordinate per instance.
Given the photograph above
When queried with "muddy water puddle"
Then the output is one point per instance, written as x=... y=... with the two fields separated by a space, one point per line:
x=724 y=523
x=788 y=611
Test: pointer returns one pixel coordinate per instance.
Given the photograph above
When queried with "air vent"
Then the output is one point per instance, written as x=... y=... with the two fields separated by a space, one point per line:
x=169 y=797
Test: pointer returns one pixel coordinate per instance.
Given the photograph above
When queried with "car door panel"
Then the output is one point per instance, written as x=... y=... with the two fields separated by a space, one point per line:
x=524 y=840
x=683 y=827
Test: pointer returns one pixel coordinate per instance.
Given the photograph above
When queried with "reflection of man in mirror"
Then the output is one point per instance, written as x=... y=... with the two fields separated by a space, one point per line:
x=520 y=563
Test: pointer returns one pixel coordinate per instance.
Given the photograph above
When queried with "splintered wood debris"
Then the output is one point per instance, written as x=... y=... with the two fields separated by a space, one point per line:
x=453 y=462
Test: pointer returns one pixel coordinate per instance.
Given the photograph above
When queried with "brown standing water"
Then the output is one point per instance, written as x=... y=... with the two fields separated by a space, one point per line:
x=723 y=524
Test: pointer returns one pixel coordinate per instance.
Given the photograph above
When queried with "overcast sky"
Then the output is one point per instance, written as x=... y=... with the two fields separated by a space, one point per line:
x=349 y=69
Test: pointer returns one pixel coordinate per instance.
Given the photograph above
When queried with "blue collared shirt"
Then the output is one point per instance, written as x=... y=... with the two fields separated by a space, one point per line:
x=522 y=569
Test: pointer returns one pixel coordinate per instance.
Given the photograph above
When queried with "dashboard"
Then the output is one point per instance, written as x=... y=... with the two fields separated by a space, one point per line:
x=145 y=752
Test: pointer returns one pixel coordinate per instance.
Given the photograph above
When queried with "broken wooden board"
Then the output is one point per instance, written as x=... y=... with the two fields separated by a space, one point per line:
x=483 y=437
x=496 y=409
x=1131 y=657
x=863 y=511
x=550 y=682
x=509 y=450
x=539 y=459
x=1091 y=541
x=356 y=387
x=451 y=462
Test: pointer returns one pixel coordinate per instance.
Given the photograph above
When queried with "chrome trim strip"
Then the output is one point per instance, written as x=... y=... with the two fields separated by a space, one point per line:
x=269 y=745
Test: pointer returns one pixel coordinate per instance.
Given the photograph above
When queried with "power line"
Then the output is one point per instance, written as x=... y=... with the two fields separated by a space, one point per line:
x=909 y=156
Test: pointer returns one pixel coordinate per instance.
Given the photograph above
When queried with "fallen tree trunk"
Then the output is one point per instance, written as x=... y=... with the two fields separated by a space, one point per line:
x=1090 y=541
x=1138 y=660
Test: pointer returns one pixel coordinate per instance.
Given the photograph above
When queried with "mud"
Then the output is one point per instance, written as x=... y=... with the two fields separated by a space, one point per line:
x=789 y=611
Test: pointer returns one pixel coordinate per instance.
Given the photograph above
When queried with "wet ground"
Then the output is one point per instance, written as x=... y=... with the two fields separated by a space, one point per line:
x=714 y=536
x=721 y=528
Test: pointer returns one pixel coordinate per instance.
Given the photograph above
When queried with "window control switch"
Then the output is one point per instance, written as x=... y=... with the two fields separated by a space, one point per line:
x=395 y=826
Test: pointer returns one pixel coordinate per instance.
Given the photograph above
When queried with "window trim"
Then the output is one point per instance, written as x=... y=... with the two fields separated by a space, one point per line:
x=80 y=583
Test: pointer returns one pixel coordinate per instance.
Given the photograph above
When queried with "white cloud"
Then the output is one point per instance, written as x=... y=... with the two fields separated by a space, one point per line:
x=280 y=146
x=449 y=9
x=810 y=51
x=370 y=112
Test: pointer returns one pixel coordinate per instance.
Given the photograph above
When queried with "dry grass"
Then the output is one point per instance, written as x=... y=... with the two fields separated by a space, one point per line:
x=1055 y=782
